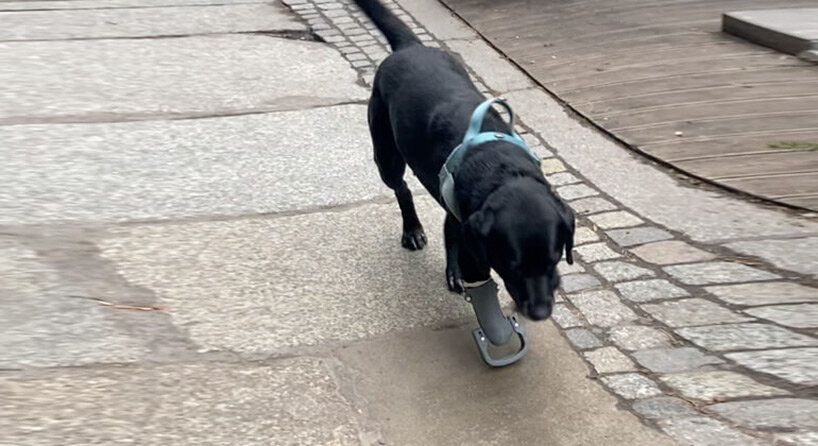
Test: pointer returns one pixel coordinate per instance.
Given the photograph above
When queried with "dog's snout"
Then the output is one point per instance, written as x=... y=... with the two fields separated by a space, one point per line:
x=539 y=311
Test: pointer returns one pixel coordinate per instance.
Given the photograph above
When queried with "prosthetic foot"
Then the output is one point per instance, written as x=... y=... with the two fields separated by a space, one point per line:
x=495 y=327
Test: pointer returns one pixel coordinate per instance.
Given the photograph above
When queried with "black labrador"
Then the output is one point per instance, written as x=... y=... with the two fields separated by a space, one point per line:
x=421 y=104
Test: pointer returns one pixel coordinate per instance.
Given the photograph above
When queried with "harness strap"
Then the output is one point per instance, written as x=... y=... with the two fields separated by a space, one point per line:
x=475 y=136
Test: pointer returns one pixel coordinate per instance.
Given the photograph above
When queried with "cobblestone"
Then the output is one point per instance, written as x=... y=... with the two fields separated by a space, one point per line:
x=554 y=165
x=717 y=272
x=602 y=308
x=796 y=365
x=565 y=269
x=592 y=205
x=663 y=407
x=703 y=431
x=609 y=360
x=747 y=336
x=615 y=219
x=771 y=414
x=564 y=317
x=689 y=312
x=575 y=191
x=639 y=337
x=765 y=293
x=719 y=384
x=649 y=290
x=618 y=271
x=595 y=252
x=631 y=386
x=578 y=282
x=582 y=338
x=638 y=236
x=672 y=360
x=671 y=252
x=799 y=316
x=583 y=235
x=562 y=178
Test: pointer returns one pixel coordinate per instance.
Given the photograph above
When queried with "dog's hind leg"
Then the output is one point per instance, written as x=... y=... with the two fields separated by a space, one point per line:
x=392 y=167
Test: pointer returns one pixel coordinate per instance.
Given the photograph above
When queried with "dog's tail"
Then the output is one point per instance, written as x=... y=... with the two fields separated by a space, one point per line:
x=396 y=32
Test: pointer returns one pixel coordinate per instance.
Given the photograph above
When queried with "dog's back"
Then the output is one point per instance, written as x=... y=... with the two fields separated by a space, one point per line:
x=425 y=91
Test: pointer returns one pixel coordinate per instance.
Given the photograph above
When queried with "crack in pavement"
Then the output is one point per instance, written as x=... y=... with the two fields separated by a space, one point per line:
x=284 y=104
x=290 y=34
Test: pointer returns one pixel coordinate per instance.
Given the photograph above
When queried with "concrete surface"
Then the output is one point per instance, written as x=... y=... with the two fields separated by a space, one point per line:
x=206 y=403
x=445 y=397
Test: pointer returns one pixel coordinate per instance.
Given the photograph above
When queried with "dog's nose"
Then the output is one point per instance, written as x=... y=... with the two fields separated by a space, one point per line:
x=541 y=311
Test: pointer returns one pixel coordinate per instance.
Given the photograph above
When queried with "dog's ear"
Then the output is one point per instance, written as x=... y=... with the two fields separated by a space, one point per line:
x=476 y=230
x=568 y=218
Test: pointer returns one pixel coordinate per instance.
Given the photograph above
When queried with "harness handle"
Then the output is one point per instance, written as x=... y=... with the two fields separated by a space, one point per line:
x=479 y=116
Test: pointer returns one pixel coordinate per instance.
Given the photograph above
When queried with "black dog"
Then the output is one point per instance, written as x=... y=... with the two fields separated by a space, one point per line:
x=421 y=105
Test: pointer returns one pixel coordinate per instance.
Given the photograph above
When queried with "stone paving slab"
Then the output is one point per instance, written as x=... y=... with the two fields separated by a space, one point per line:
x=799 y=316
x=595 y=252
x=616 y=271
x=609 y=360
x=638 y=236
x=639 y=337
x=146 y=22
x=631 y=386
x=774 y=413
x=795 y=255
x=797 y=365
x=690 y=312
x=718 y=272
x=650 y=290
x=715 y=385
x=187 y=168
x=84 y=81
x=671 y=252
x=280 y=402
x=592 y=205
x=745 y=336
x=663 y=407
x=265 y=285
x=703 y=431
x=766 y=293
x=602 y=308
x=671 y=360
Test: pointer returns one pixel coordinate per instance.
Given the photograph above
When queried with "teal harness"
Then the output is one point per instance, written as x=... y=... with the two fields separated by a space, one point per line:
x=474 y=137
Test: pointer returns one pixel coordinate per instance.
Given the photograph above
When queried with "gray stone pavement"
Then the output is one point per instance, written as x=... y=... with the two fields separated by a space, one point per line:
x=227 y=269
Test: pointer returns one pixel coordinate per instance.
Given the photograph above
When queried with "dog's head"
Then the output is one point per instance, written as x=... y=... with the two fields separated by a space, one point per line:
x=521 y=232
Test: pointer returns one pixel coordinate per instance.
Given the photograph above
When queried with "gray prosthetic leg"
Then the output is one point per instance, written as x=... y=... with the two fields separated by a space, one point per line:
x=495 y=327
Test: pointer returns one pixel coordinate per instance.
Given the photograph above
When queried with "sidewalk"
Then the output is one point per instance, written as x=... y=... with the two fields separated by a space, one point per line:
x=196 y=248
x=662 y=77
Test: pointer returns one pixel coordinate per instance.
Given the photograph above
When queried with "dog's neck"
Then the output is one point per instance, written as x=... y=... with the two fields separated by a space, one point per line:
x=487 y=173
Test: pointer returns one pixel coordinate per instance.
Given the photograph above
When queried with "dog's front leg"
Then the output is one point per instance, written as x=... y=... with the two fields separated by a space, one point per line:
x=453 y=237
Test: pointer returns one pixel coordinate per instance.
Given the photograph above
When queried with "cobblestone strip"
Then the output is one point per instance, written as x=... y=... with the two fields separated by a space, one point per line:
x=708 y=349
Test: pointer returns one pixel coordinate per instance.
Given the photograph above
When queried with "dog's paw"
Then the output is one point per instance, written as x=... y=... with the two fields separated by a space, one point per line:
x=455 y=282
x=413 y=240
